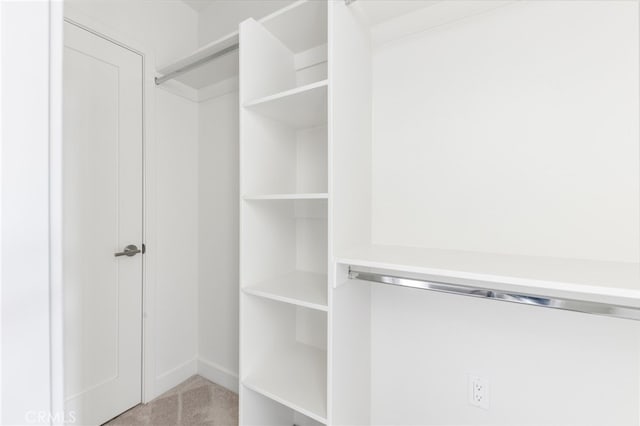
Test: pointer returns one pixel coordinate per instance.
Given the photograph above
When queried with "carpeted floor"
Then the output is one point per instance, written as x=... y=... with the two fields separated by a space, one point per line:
x=195 y=401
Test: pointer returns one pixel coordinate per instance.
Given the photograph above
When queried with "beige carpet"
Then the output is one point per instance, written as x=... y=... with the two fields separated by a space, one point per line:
x=196 y=401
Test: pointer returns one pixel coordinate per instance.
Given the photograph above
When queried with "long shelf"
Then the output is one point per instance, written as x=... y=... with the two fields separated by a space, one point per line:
x=301 y=107
x=299 y=288
x=223 y=68
x=305 y=196
x=608 y=282
x=294 y=376
x=289 y=24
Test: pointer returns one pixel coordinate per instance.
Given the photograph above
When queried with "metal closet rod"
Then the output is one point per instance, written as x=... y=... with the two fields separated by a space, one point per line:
x=587 y=307
x=199 y=62
x=196 y=64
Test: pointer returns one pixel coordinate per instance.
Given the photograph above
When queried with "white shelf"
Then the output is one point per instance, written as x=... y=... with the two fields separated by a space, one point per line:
x=294 y=376
x=306 y=196
x=299 y=26
x=300 y=288
x=220 y=69
x=301 y=107
x=592 y=280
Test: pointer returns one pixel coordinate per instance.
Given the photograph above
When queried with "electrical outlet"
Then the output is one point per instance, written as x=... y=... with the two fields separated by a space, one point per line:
x=478 y=392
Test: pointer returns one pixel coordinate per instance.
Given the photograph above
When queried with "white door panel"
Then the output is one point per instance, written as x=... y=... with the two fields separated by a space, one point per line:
x=102 y=214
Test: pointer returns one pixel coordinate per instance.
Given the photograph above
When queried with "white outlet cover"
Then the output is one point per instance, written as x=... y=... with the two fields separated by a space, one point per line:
x=478 y=391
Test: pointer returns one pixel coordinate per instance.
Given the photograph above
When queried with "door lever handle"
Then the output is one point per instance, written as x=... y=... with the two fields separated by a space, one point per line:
x=130 y=250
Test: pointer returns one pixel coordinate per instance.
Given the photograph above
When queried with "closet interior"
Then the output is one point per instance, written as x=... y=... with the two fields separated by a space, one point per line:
x=490 y=146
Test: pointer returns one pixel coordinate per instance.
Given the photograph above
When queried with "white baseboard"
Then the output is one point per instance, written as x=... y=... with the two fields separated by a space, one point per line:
x=218 y=374
x=175 y=376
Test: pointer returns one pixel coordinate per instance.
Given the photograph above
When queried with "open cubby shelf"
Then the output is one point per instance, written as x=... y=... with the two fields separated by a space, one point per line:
x=294 y=376
x=300 y=107
x=302 y=288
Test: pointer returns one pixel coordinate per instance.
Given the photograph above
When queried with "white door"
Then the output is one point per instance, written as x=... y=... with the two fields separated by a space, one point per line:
x=102 y=206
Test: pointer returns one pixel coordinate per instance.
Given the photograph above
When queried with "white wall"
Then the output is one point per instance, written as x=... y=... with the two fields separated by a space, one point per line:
x=544 y=367
x=26 y=356
x=218 y=239
x=500 y=137
x=515 y=131
x=176 y=297
x=223 y=16
x=169 y=29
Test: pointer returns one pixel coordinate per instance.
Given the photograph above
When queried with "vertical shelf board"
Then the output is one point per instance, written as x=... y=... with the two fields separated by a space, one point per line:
x=350 y=132
x=266 y=65
x=350 y=154
x=301 y=107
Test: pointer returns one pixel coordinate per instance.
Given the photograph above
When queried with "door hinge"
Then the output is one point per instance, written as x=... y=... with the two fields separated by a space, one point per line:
x=144 y=248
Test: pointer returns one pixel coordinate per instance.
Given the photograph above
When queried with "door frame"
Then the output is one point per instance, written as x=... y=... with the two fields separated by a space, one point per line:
x=149 y=185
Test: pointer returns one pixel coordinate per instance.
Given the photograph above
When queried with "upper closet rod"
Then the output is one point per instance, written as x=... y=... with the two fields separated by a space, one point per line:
x=565 y=304
x=201 y=61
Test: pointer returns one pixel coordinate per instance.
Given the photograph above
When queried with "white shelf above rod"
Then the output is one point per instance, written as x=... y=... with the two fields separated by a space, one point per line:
x=196 y=64
x=574 y=305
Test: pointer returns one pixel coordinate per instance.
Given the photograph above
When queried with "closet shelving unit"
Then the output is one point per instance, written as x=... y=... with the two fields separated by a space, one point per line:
x=310 y=185
x=284 y=300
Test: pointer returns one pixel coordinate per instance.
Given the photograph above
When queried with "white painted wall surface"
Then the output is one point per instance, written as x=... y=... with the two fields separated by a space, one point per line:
x=544 y=367
x=30 y=365
x=177 y=251
x=169 y=28
x=513 y=131
x=218 y=239
x=223 y=16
